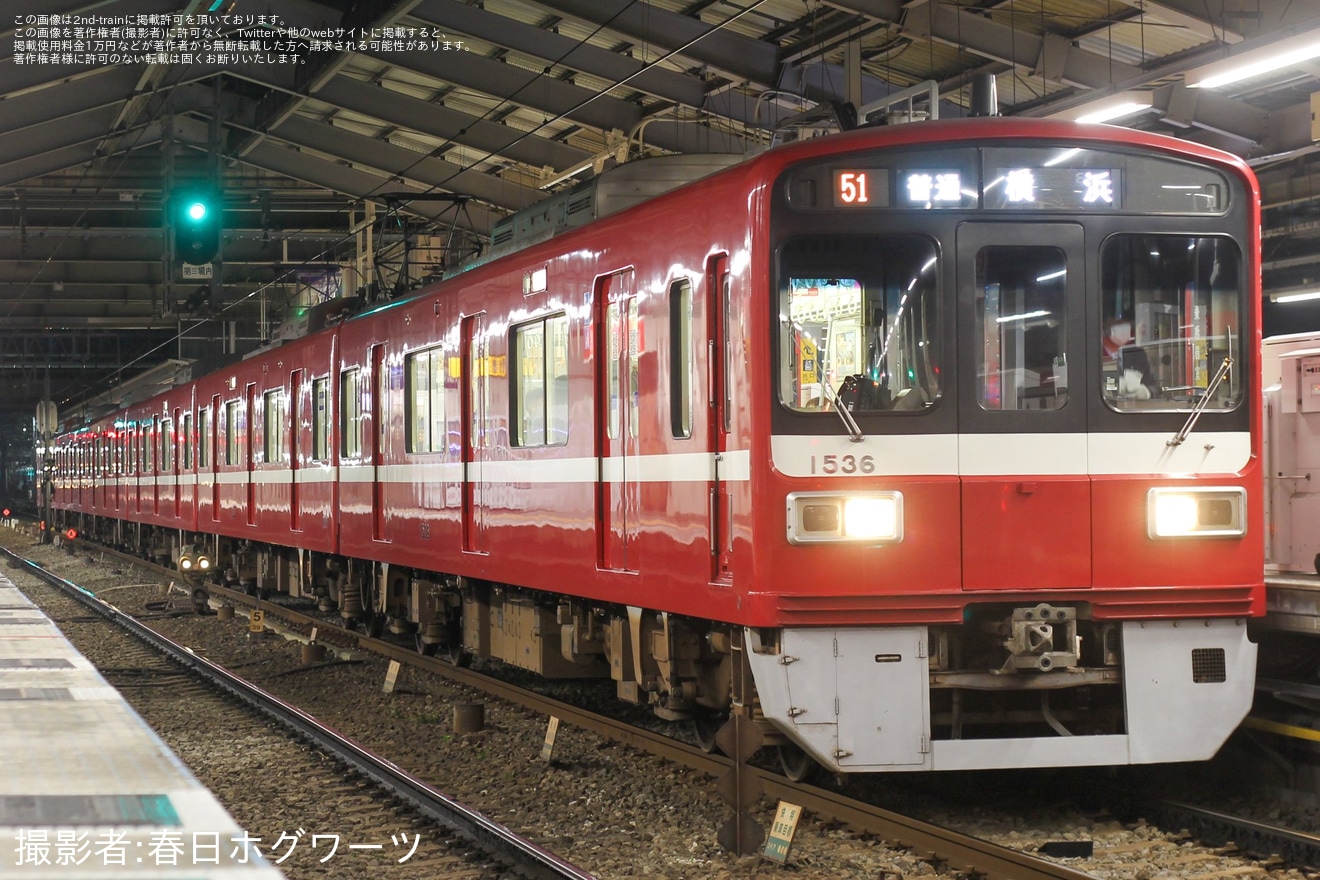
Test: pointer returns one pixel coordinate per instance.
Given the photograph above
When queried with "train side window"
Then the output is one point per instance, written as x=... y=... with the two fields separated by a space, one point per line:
x=424 y=372
x=233 y=431
x=1022 y=361
x=417 y=401
x=680 y=359
x=185 y=438
x=529 y=385
x=321 y=419
x=167 y=446
x=540 y=383
x=203 y=438
x=273 y=419
x=350 y=413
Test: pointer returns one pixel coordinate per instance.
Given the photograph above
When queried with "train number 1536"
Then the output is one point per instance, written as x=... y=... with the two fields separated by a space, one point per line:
x=842 y=464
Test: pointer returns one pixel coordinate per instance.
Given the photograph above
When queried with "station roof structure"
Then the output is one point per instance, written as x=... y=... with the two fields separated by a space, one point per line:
x=408 y=129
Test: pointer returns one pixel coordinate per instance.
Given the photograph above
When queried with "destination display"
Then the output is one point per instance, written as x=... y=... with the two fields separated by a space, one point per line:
x=1039 y=188
x=1013 y=179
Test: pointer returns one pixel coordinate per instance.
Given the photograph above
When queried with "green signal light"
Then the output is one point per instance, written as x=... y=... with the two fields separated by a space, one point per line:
x=197 y=217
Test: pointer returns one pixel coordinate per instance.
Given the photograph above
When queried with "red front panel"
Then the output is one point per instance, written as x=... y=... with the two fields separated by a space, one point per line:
x=1214 y=573
x=894 y=583
x=1027 y=533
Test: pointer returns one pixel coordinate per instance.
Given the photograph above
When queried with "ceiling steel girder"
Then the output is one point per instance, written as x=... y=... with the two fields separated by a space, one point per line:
x=396 y=108
x=680 y=88
x=29 y=154
x=736 y=56
x=320 y=68
x=393 y=162
x=359 y=185
x=96 y=93
x=740 y=57
x=967 y=31
x=441 y=122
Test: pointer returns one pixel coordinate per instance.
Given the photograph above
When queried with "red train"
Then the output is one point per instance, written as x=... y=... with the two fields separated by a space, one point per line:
x=948 y=433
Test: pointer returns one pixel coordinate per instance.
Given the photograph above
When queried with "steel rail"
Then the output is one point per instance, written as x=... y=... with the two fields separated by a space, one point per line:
x=962 y=852
x=1298 y=849
x=936 y=844
x=522 y=855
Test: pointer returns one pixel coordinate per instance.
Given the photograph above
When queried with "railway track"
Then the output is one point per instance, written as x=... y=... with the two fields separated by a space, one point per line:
x=177 y=690
x=947 y=852
x=1215 y=828
x=945 y=849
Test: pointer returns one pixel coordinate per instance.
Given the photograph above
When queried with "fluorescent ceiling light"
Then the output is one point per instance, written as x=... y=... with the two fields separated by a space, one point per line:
x=1295 y=296
x=1062 y=157
x=1256 y=62
x=1039 y=313
x=1108 y=108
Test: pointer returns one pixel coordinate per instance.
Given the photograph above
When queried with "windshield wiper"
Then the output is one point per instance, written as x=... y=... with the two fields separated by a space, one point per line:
x=849 y=423
x=1201 y=404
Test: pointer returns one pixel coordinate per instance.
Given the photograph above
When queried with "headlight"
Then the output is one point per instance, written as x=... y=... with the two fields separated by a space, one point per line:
x=870 y=517
x=1200 y=512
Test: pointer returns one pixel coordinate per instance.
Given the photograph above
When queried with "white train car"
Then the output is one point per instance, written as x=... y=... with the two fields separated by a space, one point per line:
x=1291 y=373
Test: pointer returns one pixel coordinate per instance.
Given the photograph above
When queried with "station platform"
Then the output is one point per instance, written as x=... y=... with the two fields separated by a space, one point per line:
x=87 y=789
x=1292 y=602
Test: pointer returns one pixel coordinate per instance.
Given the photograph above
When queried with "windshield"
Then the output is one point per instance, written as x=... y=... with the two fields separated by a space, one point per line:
x=859 y=314
x=1171 y=312
x=1022 y=360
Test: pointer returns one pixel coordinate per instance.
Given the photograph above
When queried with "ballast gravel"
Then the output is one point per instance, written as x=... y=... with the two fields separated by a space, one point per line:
x=610 y=809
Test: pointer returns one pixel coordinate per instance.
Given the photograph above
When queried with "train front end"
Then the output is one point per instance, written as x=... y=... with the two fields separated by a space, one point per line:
x=1011 y=510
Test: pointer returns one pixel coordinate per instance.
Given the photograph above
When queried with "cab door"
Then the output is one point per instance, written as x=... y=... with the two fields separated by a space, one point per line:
x=1022 y=452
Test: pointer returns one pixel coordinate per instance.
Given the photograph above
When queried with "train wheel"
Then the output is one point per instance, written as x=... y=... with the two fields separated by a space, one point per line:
x=454 y=655
x=704 y=727
x=374 y=625
x=444 y=640
x=796 y=764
